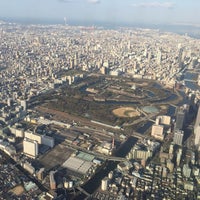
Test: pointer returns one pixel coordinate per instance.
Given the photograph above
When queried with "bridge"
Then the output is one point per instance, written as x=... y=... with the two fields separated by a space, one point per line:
x=96 y=154
x=138 y=135
x=141 y=111
x=189 y=80
x=149 y=119
x=173 y=105
x=142 y=119
x=115 y=158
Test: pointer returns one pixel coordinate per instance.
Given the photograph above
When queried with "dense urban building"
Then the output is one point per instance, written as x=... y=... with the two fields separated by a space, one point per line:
x=77 y=102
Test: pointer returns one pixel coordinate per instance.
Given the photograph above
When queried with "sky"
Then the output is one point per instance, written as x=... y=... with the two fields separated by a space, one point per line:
x=111 y=11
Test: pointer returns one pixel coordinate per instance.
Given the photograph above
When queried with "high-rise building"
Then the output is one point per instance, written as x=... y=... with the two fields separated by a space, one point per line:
x=30 y=147
x=48 y=141
x=157 y=131
x=171 y=148
x=52 y=180
x=159 y=57
x=28 y=167
x=33 y=136
x=40 y=174
x=76 y=59
x=104 y=70
x=164 y=119
x=170 y=165
x=24 y=104
x=104 y=184
x=197 y=131
x=186 y=170
x=197 y=122
x=180 y=57
x=178 y=137
x=9 y=101
x=164 y=172
x=71 y=63
x=178 y=157
x=180 y=118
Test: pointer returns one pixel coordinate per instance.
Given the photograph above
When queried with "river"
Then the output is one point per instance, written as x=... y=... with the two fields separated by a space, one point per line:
x=190 y=84
x=93 y=184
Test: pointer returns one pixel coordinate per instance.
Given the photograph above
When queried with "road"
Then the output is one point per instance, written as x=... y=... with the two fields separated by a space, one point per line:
x=63 y=116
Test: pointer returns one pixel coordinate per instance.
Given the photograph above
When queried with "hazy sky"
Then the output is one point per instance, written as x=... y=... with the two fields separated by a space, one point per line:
x=129 y=11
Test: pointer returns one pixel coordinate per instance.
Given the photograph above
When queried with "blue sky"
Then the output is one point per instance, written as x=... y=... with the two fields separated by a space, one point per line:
x=128 y=11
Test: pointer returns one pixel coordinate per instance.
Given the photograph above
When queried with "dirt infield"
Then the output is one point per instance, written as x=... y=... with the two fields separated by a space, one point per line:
x=126 y=112
x=18 y=190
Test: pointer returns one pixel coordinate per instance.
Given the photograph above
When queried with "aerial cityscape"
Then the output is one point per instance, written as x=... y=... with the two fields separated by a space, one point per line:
x=99 y=111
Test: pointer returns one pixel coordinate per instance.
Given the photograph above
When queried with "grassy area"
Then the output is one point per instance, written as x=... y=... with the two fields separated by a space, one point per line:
x=75 y=100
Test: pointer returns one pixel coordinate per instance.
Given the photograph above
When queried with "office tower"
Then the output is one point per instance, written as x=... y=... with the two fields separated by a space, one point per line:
x=30 y=148
x=149 y=56
x=199 y=79
x=71 y=63
x=171 y=149
x=157 y=131
x=197 y=122
x=145 y=53
x=24 y=104
x=48 y=141
x=192 y=99
x=186 y=170
x=104 y=70
x=110 y=175
x=104 y=184
x=164 y=119
x=52 y=180
x=143 y=162
x=180 y=55
x=157 y=121
x=170 y=165
x=197 y=131
x=197 y=137
x=178 y=157
x=164 y=172
x=193 y=158
x=106 y=63
x=178 y=137
x=9 y=101
x=159 y=57
x=76 y=59
x=33 y=136
x=180 y=118
x=40 y=174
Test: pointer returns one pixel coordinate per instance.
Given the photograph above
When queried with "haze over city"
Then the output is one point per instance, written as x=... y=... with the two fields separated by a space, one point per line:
x=112 y=11
x=99 y=99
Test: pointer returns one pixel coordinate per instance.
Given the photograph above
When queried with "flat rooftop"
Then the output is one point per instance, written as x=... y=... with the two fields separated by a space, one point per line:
x=77 y=165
